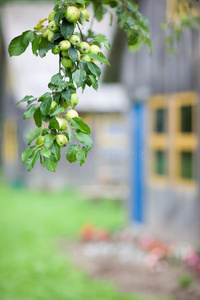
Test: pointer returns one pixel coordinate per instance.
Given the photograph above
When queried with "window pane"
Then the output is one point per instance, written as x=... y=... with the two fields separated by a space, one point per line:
x=160 y=162
x=160 y=120
x=187 y=168
x=186 y=118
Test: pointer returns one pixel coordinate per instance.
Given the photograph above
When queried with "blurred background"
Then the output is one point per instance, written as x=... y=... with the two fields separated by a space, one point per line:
x=142 y=172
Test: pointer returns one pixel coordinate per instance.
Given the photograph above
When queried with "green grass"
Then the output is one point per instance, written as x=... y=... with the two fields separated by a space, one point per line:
x=32 y=267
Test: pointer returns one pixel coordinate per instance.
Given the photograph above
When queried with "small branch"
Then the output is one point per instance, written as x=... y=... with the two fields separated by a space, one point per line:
x=80 y=32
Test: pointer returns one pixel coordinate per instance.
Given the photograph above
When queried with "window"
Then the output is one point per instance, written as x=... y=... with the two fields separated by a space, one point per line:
x=158 y=139
x=173 y=140
x=186 y=118
x=187 y=167
x=160 y=162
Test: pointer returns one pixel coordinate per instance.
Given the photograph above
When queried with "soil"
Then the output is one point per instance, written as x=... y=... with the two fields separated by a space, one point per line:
x=132 y=277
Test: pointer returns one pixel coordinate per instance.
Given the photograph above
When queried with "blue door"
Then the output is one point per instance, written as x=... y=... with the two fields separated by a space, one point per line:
x=138 y=162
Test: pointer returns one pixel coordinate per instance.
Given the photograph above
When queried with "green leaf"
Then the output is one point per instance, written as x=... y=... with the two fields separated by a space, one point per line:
x=99 y=58
x=79 y=76
x=27 y=153
x=101 y=39
x=48 y=140
x=66 y=29
x=132 y=6
x=80 y=156
x=30 y=111
x=55 y=37
x=59 y=14
x=25 y=99
x=77 y=123
x=73 y=54
x=33 y=135
x=53 y=124
x=56 y=111
x=70 y=134
x=32 y=159
x=55 y=79
x=55 y=151
x=50 y=164
x=85 y=139
x=94 y=69
x=82 y=19
x=38 y=118
x=71 y=153
x=45 y=106
x=35 y=43
x=46 y=152
x=20 y=43
x=44 y=97
x=44 y=47
x=94 y=82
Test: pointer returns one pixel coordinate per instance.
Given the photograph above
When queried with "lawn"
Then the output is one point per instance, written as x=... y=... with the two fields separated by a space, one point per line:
x=32 y=267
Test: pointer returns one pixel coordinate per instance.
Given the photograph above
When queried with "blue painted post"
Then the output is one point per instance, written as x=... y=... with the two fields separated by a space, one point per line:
x=138 y=162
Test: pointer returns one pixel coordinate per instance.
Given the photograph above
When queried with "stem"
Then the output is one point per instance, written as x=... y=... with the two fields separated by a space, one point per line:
x=60 y=63
x=80 y=32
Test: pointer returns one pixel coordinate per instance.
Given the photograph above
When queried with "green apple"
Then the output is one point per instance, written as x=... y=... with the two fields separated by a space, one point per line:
x=86 y=57
x=74 y=99
x=95 y=49
x=75 y=40
x=66 y=62
x=62 y=123
x=53 y=104
x=84 y=48
x=71 y=114
x=85 y=13
x=65 y=53
x=56 y=50
x=52 y=26
x=62 y=140
x=50 y=35
x=40 y=142
x=45 y=33
x=64 y=45
x=72 y=14
x=51 y=16
x=79 y=55
x=95 y=61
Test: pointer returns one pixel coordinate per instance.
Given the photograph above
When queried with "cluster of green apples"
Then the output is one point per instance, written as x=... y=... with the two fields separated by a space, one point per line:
x=60 y=138
x=76 y=40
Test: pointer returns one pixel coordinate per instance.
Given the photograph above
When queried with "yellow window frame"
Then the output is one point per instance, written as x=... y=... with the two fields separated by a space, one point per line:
x=173 y=142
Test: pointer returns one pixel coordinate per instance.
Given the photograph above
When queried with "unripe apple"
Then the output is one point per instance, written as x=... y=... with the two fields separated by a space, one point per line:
x=65 y=53
x=85 y=13
x=72 y=14
x=86 y=57
x=45 y=33
x=62 y=140
x=74 y=99
x=79 y=55
x=95 y=49
x=95 y=61
x=64 y=45
x=75 y=40
x=71 y=114
x=53 y=104
x=66 y=62
x=40 y=142
x=84 y=47
x=50 y=35
x=51 y=16
x=62 y=123
x=56 y=50
x=52 y=26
